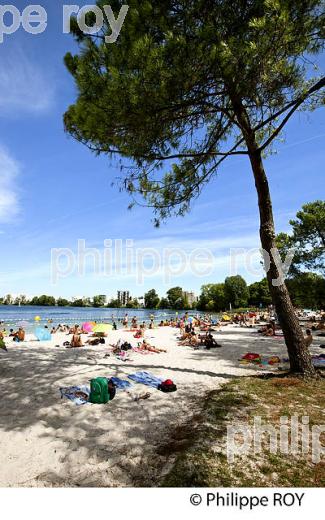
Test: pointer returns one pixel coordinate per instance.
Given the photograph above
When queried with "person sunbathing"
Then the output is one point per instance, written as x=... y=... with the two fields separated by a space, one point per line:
x=269 y=330
x=190 y=340
x=203 y=337
x=139 y=334
x=19 y=335
x=76 y=341
x=319 y=326
x=146 y=346
x=181 y=328
x=94 y=342
x=193 y=340
x=308 y=338
x=210 y=342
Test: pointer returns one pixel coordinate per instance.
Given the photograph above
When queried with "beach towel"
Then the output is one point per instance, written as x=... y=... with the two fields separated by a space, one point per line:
x=146 y=379
x=71 y=392
x=262 y=362
x=319 y=361
x=252 y=357
x=274 y=360
x=141 y=351
x=121 y=384
x=123 y=356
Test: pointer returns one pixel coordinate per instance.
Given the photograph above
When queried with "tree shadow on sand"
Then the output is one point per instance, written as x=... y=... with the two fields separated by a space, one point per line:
x=112 y=445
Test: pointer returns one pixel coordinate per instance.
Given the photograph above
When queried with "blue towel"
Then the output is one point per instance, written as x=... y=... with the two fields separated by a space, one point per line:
x=146 y=379
x=70 y=393
x=121 y=384
x=319 y=363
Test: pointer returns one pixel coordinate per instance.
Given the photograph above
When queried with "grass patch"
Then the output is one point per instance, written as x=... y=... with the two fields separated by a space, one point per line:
x=199 y=446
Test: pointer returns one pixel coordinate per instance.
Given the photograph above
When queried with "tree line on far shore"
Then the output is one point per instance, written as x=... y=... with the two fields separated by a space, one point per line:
x=307 y=290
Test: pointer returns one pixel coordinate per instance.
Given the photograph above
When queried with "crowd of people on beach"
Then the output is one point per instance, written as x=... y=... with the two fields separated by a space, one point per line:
x=193 y=331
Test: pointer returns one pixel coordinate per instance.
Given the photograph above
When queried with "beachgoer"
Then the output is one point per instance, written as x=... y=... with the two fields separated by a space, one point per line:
x=93 y=342
x=19 y=335
x=150 y=348
x=139 y=333
x=210 y=342
x=269 y=330
x=76 y=341
x=308 y=338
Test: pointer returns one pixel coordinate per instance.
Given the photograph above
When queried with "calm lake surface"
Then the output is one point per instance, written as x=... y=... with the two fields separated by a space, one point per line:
x=10 y=315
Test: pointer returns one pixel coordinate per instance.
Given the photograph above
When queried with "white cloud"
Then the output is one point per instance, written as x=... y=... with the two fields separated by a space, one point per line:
x=9 y=201
x=23 y=87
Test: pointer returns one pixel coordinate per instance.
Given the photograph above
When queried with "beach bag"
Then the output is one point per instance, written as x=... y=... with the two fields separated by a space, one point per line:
x=167 y=386
x=99 y=391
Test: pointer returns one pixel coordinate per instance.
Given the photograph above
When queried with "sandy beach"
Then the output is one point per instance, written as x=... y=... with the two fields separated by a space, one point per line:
x=49 y=441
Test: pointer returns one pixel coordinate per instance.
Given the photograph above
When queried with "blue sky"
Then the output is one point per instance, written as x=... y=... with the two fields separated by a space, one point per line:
x=54 y=192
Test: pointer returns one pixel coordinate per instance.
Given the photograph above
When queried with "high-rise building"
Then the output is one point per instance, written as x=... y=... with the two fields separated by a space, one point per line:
x=190 y=297
x=123 y=297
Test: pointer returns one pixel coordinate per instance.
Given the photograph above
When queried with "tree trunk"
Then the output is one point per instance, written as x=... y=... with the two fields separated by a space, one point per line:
x=300 y=360
x=299 y=356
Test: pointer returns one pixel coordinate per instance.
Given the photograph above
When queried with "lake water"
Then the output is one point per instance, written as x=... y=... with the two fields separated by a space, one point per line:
x=10 y=315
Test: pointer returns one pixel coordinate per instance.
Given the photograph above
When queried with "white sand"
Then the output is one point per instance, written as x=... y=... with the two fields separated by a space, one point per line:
x=46 y=441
